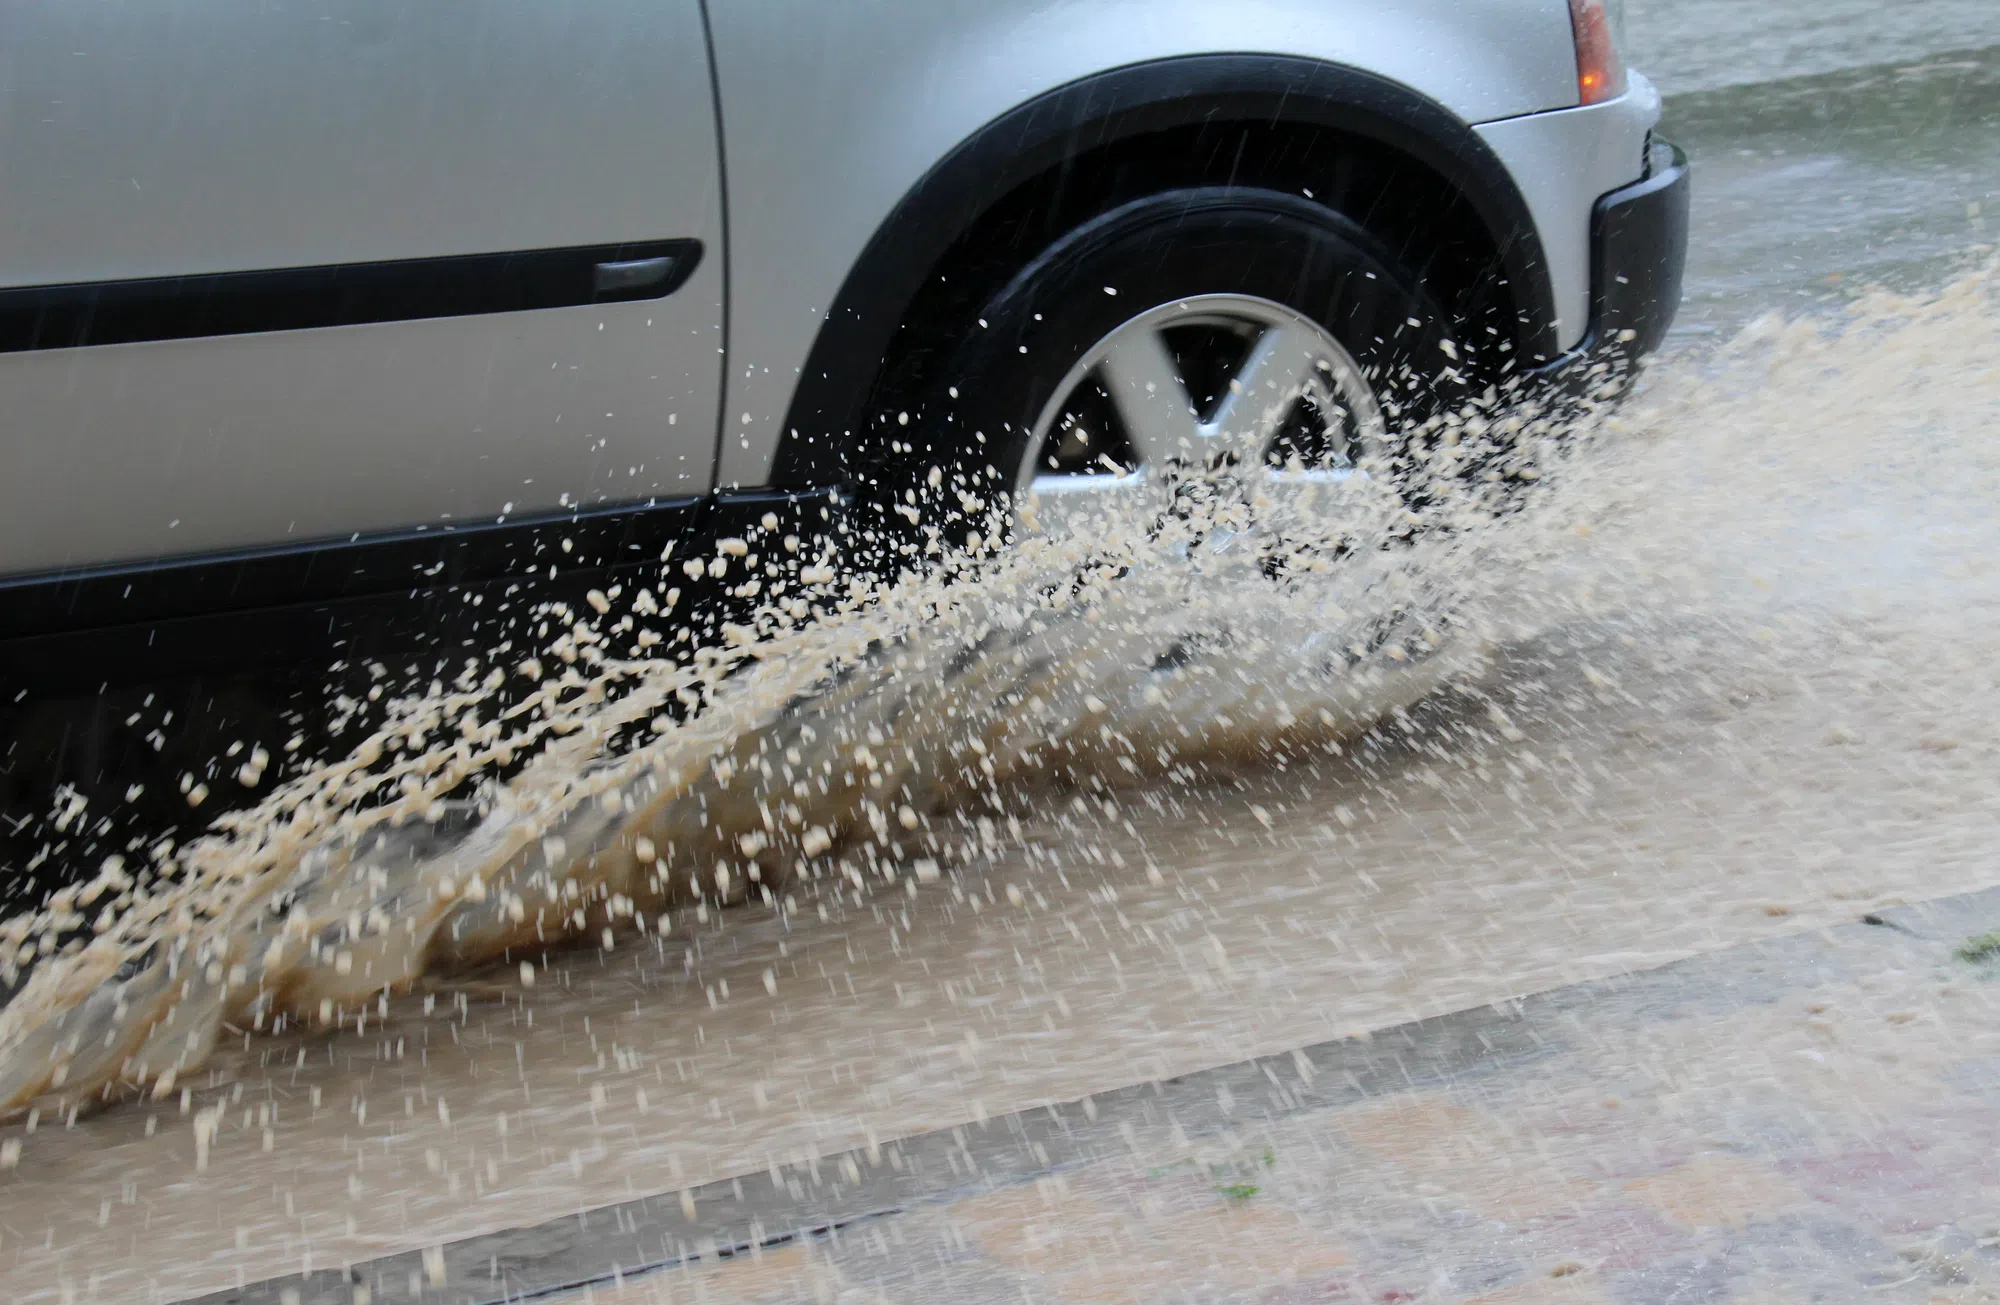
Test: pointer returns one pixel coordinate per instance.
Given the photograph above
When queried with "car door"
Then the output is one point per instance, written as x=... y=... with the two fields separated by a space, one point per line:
x=277 y=271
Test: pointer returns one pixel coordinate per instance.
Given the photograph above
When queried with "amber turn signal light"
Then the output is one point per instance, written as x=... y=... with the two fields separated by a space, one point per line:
x=1600 y=71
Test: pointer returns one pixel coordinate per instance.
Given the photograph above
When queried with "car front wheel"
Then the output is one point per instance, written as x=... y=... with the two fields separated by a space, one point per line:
x=1200 y=337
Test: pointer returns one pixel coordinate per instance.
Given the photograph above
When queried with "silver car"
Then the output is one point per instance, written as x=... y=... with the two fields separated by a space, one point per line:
x=309 y=308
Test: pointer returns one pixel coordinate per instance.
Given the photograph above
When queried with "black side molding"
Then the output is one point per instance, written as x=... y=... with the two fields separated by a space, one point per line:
x=339 y=294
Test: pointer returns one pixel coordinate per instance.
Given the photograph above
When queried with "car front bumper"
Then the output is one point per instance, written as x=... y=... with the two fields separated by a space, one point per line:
x=1639 y=243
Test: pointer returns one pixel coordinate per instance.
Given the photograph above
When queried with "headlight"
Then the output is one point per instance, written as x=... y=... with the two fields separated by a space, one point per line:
x=1600 y=68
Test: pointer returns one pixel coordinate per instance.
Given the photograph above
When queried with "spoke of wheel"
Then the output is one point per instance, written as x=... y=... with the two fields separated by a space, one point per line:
x=1152 y=399
x=1266 y=388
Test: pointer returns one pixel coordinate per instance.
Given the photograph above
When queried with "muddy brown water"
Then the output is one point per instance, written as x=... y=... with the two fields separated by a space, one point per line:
x=1742 y=685
x=1738 y=682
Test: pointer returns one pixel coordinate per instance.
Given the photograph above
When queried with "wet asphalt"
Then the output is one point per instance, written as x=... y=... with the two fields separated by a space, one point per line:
x=1837 y=146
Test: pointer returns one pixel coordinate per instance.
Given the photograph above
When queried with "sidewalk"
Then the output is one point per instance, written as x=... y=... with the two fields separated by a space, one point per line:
x=1811 y=1119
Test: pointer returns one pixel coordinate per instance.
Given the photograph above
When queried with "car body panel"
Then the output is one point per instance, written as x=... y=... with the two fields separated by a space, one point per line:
x=1563 y=161
x=832 y=113
x=147 y=140
x=133 y=452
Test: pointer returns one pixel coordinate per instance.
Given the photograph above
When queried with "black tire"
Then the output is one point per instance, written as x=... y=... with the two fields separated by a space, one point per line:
x=974 y=414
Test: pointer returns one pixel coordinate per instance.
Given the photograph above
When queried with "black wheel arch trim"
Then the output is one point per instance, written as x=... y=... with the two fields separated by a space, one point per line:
x=1104 y=109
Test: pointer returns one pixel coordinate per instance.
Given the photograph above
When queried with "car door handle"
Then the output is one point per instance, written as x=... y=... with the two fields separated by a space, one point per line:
x=632 y=277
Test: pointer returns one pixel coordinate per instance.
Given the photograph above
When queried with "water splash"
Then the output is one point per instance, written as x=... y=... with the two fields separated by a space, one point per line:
x=818 y=738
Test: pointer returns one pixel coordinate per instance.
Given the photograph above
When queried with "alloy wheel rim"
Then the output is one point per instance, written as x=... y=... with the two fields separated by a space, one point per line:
x=1213 y=388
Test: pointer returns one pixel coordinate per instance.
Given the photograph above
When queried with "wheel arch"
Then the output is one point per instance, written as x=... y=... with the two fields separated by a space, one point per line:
x=1041 y=158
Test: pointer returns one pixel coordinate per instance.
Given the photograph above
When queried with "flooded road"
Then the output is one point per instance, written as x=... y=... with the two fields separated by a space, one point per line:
x=1741 y=711
x=1689 y=46
x=1735 y=679
x=1814 y=186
